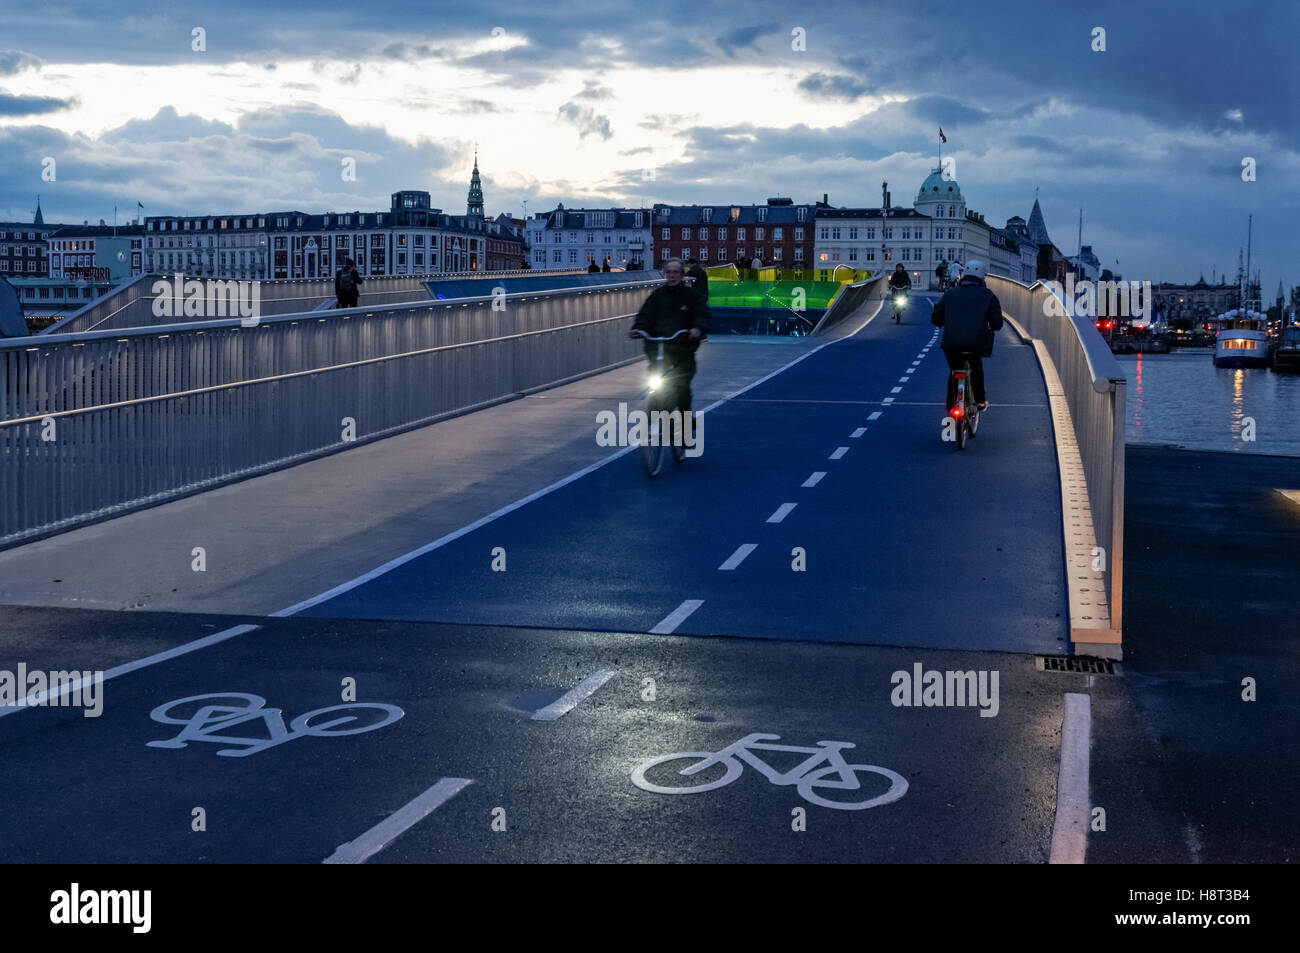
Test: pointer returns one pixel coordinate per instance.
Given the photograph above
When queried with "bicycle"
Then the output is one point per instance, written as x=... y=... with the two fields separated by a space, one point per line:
x=806 y=776
x=900 y=303
x=662 y=401
x=225 y=710
x=964 y=411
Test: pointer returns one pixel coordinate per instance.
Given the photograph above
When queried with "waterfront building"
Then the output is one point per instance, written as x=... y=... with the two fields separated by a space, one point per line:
x=574 y=238
x=779 y=234
x=96 y=252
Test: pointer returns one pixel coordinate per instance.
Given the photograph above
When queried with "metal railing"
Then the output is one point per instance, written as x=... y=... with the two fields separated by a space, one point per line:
x=132 y=305
x=1096 y=391
x=102 y=422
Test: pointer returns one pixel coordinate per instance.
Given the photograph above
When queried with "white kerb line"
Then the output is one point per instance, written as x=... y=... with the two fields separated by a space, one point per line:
x=675 y=618
x=390 y=828
x=781 y=513
x=574 y=696
x=42 y=698
x=1070 y=831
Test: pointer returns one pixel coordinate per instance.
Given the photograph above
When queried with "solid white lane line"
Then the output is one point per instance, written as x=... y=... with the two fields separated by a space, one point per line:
x=738 y=557
x=815 y=478
x=390 y=828
x=896 y=390
x=1070 y=831
x=574 y=696
x=875 y=415
x=676 y=617
x=42 y=698
x=857 y=433
x=781 y=513
x=839 y=452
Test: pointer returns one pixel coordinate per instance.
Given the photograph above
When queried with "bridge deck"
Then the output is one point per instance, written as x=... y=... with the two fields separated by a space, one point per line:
x=902 y=536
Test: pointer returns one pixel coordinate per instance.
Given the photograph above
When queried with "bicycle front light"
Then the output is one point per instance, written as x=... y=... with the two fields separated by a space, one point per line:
x=655 y=381
x=899 y=301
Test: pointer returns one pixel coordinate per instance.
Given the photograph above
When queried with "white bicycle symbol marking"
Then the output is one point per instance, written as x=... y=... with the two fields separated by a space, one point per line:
x=209 y=719
x=803 y=776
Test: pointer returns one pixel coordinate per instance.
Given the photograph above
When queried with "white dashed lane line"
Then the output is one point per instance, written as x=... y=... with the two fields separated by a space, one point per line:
x=390 y=828
x=875 y=415
x=738 y=557
x=896 y=390
x=904 y=380
x=839 y=452
x=857 y=433
x=888 y=400
x=574 y=696
x=781 y=513
x=815 y=478
x=676 y=617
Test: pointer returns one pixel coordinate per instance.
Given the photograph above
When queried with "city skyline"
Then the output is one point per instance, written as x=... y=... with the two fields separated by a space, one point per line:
x=630 y=111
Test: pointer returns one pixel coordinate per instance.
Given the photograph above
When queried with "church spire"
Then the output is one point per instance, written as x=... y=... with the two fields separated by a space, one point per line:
x=39 y=219
x=474 y=205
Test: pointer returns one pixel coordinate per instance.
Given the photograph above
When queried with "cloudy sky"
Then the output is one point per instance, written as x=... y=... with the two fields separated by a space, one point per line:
x=597 y=103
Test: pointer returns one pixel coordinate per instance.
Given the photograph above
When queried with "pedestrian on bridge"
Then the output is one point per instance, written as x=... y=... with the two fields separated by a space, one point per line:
x=347 y=285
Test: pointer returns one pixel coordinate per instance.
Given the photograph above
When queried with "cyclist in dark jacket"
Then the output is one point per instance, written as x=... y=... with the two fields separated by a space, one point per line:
x=670 y=308
x=968 y=313
x=700 y=280
x=900 y=278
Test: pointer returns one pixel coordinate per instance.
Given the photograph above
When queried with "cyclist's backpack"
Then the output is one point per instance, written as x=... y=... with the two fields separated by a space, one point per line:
x=347 y=286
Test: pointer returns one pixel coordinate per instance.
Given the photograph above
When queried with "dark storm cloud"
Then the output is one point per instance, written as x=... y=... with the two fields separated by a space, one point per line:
x=744 y=38
x=833 y=86
x=11 y=105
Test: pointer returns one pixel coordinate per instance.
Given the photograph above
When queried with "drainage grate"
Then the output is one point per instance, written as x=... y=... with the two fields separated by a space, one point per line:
x=1075 y=663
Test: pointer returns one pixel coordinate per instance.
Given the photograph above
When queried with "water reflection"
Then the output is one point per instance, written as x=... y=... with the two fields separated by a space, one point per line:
x=1183 y=399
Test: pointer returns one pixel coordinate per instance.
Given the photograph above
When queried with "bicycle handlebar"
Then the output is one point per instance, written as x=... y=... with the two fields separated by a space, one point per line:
x=649 y=338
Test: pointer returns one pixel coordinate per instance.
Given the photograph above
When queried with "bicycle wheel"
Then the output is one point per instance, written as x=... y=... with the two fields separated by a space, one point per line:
x=370 y=715
x=961 y=434
x=974 y=419
x=654 y=450
x=700 y=758
x=806 y=784
x=679 y=438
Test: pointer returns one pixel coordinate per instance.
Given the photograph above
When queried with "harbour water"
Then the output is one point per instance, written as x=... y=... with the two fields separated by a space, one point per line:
x=1182 y=399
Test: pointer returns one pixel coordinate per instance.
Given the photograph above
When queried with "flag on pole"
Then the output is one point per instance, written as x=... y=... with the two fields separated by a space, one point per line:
x=942 y=137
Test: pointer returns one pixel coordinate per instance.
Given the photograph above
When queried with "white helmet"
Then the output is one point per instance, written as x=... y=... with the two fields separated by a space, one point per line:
x=975 y=268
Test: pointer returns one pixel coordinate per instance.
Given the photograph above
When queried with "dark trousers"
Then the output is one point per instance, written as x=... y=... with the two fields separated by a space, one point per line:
x=679 y=361
x=955 y=361
x=348 y=301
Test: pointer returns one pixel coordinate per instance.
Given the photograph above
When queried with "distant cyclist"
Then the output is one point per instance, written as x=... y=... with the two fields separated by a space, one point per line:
x=670 y=308
x=899 y=280
x=969 y=314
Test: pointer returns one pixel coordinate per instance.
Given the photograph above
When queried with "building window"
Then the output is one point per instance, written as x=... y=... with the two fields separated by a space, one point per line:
x=704 y=254
x=704 y=234
x=776 y=253
x=835 y=234
x=824 y=233
x=777 y=233
x=686 y=234
x=664 y=233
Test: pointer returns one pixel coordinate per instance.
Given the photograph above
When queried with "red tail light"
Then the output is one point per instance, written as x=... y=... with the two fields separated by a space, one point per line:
x=956 y=411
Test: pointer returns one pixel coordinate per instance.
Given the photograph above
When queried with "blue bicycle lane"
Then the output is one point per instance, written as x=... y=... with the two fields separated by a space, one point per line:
x=899 y=538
